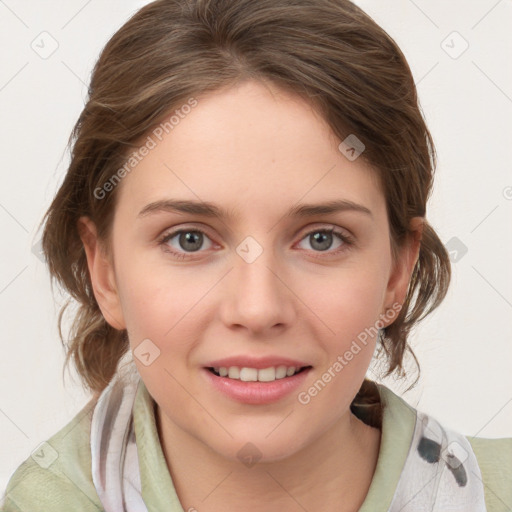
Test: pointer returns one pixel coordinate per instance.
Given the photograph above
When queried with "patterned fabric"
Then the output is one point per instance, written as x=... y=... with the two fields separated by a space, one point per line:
x=441 y=472
x=115 y=464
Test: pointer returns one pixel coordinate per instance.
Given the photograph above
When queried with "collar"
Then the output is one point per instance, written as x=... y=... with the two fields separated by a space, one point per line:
x=420 y=464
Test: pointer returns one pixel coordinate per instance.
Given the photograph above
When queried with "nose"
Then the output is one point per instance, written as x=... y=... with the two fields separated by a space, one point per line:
x=258 y=296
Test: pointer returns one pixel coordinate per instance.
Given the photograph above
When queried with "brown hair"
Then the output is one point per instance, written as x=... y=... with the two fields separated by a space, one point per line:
x=329 y=52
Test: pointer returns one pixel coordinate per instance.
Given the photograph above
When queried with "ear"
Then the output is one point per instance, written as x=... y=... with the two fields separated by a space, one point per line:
x=101 y=271
x=403 y=267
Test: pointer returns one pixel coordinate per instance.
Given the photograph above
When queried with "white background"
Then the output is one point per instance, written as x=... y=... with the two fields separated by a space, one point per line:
x=465 y=348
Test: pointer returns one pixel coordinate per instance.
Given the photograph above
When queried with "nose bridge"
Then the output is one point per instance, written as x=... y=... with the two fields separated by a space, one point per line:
x=259 y=299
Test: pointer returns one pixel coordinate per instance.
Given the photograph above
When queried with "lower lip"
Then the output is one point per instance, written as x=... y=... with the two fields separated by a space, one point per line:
x=256 y=392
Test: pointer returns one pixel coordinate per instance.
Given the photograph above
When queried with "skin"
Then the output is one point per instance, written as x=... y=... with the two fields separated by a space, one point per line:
x=257 y=151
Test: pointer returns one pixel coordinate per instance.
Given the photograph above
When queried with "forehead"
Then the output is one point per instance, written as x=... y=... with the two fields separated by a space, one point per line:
x=247 y=147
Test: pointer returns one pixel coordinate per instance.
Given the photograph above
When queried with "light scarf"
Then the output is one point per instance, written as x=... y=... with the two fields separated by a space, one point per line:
x=115 y=463
x=440 y=474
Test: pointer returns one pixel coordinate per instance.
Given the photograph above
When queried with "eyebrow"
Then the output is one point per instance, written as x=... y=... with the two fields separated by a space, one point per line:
x=208 y=209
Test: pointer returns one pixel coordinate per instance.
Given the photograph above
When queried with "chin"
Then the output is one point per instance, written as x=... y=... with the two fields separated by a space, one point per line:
x=251 y=449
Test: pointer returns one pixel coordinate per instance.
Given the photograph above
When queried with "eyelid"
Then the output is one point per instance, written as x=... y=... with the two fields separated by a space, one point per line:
x=319 y=226
x=174 y=230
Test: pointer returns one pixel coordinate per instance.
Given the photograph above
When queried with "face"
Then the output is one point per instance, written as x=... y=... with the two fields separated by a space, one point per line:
x=255 y=282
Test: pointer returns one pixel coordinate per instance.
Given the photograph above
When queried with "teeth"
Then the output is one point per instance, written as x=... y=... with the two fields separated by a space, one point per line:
x=267 y=375
x=281 y=372
x=248 y=374
x=253 y=374
x=234 y=372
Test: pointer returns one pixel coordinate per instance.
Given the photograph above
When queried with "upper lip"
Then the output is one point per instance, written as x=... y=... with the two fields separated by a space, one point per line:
x=255 y=362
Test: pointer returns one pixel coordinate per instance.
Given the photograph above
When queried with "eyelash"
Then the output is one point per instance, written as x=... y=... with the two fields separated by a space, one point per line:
x=348 y=241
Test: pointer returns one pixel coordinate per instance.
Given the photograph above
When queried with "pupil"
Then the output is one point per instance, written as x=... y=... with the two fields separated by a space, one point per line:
x=191 y=237
x=321 y=238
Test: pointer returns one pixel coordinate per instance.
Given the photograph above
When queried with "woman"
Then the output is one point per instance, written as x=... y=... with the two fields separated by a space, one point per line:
x=245 y=213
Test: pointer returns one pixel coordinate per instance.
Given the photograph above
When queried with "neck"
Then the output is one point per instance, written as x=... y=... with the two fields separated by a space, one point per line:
x=333 y=473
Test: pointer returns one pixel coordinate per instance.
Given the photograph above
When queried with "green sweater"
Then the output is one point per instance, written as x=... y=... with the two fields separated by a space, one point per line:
x=57 y=477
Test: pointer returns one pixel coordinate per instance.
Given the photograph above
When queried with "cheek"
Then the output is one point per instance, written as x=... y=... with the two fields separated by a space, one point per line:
x=348 y=304
x=349 y=299
x=155 y=295
x=159 y=315
x=349 y=313
x=158 y=300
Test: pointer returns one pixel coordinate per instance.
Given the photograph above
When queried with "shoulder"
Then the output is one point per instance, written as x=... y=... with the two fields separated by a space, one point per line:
x=495 y=461
x=476 y=472
x=57 y=475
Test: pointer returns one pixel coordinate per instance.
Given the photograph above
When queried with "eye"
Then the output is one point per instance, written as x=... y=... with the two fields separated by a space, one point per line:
x=321 y=240
x=188 y=240
x=191 y=240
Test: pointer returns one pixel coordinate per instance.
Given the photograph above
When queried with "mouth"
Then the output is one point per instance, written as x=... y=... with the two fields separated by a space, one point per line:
x=256 y=386
x=246 y=374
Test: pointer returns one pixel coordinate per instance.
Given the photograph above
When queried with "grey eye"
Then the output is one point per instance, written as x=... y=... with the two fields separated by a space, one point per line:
x=322 y=240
